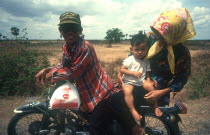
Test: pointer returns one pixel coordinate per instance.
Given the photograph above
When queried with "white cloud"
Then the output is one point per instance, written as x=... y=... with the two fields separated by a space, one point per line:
x=201 y=19
x=90 y=21
x=141 y=14
x=97 y=16
x=47 y=26
x=201 y=16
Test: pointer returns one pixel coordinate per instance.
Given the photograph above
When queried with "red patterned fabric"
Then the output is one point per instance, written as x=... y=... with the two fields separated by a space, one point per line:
x=81 y=65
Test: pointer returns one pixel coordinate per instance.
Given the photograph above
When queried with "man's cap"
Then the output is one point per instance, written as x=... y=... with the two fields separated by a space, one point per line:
x=70 y=17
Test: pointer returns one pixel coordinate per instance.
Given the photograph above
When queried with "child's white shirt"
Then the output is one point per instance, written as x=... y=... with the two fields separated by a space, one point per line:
x=133 y=64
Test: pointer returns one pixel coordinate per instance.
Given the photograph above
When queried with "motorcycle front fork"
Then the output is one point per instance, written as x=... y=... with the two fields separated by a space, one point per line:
x=61 y=119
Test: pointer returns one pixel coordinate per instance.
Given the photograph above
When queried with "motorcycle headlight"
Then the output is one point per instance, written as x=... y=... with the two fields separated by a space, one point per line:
x=172 y=118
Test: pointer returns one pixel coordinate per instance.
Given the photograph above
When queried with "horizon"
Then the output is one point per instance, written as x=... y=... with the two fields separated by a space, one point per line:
x=63 y=39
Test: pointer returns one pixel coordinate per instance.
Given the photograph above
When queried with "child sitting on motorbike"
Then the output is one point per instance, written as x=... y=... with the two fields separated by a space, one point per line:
x=135 y=71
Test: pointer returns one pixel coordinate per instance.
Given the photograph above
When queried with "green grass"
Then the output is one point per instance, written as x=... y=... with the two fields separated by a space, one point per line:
x=198 y=85
x=18 y=66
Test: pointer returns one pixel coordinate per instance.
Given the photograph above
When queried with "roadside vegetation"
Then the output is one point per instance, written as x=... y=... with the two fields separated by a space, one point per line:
x=20 y=60
x=199 y=83
x=18 y=65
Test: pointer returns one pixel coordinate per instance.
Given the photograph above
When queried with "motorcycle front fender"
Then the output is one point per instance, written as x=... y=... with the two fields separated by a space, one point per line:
x=32 y=107
x=173 y=124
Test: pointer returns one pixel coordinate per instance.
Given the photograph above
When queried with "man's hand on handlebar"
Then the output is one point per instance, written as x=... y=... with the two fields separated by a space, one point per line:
x=43 y=76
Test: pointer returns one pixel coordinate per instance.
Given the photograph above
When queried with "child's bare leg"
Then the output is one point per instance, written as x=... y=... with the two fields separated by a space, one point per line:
x=127 y=89
x=148 y=85
x=157 y=109
x=136 y=115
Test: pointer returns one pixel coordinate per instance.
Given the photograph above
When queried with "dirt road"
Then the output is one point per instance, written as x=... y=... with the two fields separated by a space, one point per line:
x=197 y=120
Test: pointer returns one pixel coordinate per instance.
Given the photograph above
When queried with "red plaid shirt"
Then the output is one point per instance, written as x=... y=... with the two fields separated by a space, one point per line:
x=81 y=65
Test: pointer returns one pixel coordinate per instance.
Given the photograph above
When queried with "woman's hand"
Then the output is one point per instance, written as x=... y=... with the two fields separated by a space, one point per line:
x=43 y=75
x=156 y=94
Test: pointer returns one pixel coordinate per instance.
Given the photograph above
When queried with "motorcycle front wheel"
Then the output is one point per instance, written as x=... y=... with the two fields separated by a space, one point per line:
x=33 y=123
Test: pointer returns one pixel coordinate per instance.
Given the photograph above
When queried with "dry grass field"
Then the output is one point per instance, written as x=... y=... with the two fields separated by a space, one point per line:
x=104 y=53
x=197 y=120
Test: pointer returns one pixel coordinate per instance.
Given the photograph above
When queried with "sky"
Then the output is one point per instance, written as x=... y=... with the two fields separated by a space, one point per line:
x=41 y=17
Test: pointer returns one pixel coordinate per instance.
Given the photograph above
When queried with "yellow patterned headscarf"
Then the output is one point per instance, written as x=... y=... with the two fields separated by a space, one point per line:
x=175 y=26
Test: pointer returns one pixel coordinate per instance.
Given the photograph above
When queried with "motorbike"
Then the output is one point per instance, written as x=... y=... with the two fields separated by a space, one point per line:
x=60 y=114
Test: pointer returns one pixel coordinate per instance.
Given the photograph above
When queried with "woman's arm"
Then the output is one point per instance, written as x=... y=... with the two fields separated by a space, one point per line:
x=182 y=71
x=157 y=93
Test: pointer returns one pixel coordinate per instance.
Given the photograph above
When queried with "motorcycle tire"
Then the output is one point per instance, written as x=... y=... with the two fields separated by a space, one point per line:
x=156 y=126
x=28 y=123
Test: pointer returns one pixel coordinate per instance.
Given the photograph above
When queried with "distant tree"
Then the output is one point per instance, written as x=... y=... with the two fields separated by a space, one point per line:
x=126 y=36
x=130 y=36
x=24 y=32
x=0 y=36
x=114 y=35
x=5 y=38
x=15 y=31
x=142 y=32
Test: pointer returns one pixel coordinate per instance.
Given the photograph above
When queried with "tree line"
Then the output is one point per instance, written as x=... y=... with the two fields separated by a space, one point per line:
x=18 y=35
x=114 y=35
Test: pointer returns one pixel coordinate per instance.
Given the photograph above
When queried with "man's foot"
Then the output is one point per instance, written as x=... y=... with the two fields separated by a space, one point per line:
x=136 y=115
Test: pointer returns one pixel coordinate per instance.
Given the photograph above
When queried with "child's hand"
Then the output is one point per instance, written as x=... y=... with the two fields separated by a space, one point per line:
x=137 y=74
